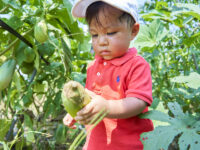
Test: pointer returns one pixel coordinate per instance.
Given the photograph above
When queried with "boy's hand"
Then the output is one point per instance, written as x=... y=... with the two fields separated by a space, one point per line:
x=69 y=121
x=97 y=104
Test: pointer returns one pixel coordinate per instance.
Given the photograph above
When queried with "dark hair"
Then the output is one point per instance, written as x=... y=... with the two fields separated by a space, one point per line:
x=94 y=9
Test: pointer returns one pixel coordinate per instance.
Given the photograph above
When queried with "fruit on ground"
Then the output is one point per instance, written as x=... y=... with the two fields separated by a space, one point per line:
x=74 y=97
x=6 y=73
x=41 y=31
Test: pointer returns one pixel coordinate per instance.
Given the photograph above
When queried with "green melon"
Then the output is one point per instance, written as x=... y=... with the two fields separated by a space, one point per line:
x=41 y=31
x=6 y=73
x=29 y=55
x=74 y=97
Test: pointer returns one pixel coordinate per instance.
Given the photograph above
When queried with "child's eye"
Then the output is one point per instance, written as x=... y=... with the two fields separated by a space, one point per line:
x=94 y=35
x=111 y=33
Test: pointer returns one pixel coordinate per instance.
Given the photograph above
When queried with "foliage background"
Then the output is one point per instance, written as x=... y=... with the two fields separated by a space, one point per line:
x=31 y=110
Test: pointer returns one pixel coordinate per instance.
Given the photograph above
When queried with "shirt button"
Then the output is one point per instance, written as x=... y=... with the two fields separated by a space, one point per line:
x=98 y=73
x=105 y=63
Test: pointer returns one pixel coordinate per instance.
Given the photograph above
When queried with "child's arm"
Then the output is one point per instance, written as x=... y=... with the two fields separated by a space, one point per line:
x=124 y=108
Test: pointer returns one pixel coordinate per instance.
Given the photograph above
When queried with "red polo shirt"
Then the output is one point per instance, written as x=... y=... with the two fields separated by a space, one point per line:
x=127 y=76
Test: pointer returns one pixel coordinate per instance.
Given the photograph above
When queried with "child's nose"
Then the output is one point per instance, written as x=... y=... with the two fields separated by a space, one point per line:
x=102 y=40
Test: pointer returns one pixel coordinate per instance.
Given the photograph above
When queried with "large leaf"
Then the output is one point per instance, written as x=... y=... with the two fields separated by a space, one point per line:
x=151 y=35
x=5 y=146
x=157 y=14
x=60 y=133
x=13 y=4
x=183 y=124
x=29 y=129
x=4 y=127
x=14 y=22
x=193 y=80
x=188 y=9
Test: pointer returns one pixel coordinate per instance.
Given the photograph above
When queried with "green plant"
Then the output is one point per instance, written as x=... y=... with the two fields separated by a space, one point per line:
x=31 y=104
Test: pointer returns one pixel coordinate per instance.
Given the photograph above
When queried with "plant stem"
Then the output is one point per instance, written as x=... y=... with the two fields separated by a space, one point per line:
x=4 y=9
x=9 y=46
x=90 y=129
x=195 y=62
x=1 y=96
x=82 y=135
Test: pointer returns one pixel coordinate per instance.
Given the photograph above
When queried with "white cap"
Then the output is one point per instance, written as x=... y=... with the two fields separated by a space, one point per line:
x=129 y=6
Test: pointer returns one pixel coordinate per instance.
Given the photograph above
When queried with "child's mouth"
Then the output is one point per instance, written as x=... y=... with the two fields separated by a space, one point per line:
x=105 y=52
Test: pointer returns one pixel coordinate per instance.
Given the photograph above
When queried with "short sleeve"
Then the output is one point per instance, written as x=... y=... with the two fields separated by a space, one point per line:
x=139 y=81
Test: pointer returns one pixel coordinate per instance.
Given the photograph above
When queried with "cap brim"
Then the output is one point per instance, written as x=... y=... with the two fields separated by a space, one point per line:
x=79 y=9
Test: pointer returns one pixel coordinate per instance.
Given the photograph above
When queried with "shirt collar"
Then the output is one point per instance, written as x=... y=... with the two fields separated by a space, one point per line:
x=121 y=60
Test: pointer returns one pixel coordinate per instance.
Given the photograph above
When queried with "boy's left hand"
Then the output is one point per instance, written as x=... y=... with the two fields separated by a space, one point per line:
x=98 y=103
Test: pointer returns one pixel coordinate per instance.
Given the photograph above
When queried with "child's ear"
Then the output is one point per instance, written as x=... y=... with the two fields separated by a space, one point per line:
x=135 y=30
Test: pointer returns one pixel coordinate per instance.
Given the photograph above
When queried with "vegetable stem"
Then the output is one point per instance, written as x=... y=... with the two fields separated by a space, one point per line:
x=81 y=135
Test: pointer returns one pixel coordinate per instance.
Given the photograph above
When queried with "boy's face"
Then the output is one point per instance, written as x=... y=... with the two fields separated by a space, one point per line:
x=111 y=38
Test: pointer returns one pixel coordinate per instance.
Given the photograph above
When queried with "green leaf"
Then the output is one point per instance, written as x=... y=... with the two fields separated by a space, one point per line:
x=176 y=110
x=14 y=22
x=68 y=23
x=192 y=81
x=188 y=9
x=189 y=138
x=151 y=35
x=20 y=53
x=16 y=80
x=157 y=115
x=50 y=109
x=5 y=146
x=160 y=138
x=60 y=134
x=85 y=46
x=4 y=127
x=79 y=77
x=20 y=144
x=29 y=129
x=14 y=4
x=67 y=56
x=157 y=14
x=183 y=124
x=155 y=103
x=68 y=5
x=28 y=97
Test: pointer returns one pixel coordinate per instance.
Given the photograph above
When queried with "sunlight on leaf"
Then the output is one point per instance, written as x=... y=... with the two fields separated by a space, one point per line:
x=188 y=9
x=151 y=35
x=193 y=80
x=4 y=127
x=182 y=124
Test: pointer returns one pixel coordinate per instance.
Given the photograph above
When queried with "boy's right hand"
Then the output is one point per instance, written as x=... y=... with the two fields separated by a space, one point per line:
x=69 y=121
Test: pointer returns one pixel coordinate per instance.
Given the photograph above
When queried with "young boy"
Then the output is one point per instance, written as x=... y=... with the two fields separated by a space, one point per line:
x=118 y=80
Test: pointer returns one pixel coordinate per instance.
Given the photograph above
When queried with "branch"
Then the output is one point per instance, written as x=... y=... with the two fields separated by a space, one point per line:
x=14 y=32
x=32 y=76
x=13 y=43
